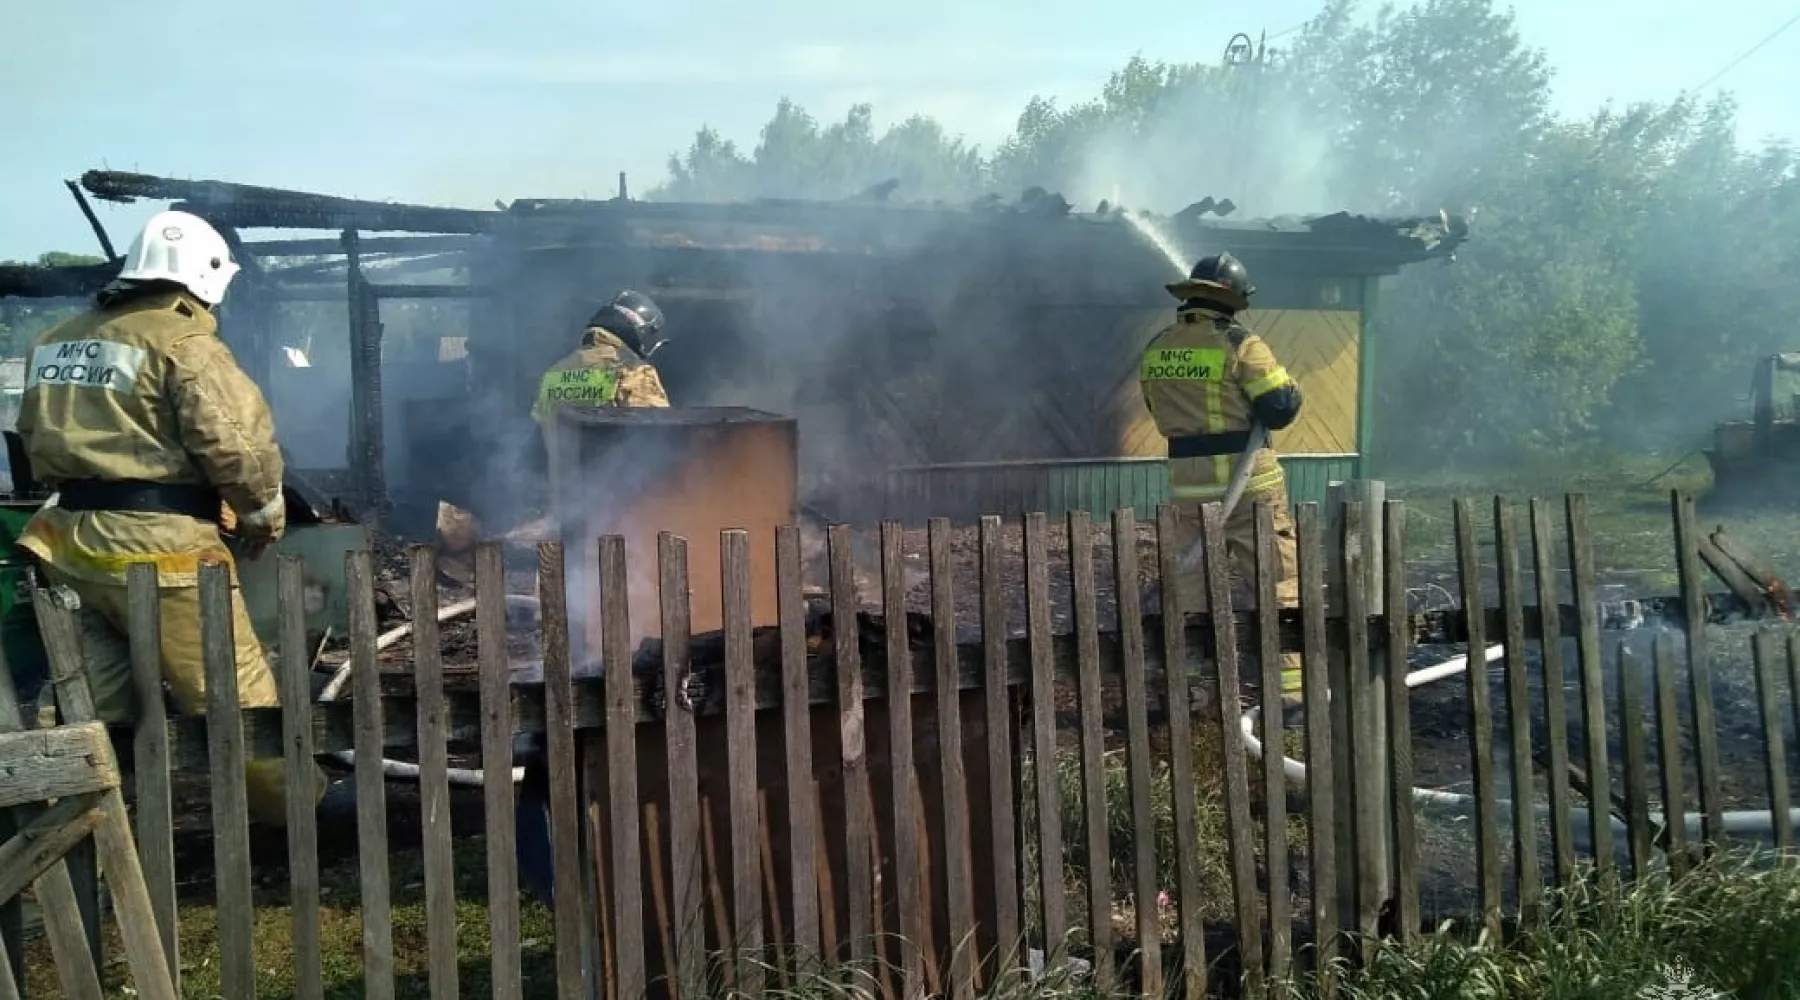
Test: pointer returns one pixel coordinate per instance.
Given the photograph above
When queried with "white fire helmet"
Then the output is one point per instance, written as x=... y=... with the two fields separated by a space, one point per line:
x=185 y=249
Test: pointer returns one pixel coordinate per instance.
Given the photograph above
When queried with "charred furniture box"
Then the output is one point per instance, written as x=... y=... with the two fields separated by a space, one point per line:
x=691 y=471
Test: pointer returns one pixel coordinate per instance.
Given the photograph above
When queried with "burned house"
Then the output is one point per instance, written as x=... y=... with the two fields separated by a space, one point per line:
x=938 y=360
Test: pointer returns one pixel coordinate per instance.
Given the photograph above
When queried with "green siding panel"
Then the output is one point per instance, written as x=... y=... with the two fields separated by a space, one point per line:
x=965 y=492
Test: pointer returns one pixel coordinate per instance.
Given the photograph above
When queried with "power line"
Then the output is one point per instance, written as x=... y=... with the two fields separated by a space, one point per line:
x=1771 y=36
x=1288 y=31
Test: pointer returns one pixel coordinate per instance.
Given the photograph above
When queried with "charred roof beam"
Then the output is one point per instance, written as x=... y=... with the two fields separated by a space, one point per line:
x=246 y=206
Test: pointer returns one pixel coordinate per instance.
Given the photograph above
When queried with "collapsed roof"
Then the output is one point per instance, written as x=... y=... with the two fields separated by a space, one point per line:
x=865 y=224
x=243 y=206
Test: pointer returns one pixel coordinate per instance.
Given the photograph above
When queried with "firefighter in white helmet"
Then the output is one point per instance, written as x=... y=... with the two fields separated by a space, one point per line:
x=136 y=414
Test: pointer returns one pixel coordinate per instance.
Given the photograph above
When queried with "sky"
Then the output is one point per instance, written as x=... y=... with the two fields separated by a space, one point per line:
x=461 y=103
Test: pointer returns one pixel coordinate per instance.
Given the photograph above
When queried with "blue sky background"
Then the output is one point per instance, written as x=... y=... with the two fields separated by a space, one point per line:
x=462 y=103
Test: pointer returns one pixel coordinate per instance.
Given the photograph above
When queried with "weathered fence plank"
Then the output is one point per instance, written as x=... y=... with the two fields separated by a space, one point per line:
x=77 y=959
x=1367 y=808
x=371 y=783
x=1184 y=790
x=1240 y=833
x=1706 y=734
x=1093 y=746
x=952 y=776
x=559 y=747
x=1668 y=753
x=9 y=983
x=434 y=779
x=680 y=755
x=1556 y=713
x=302 y=816
x=773 y=933
x=1048 y=792
x=659 y=899
x=1768 y=655
x=1593 y=690
x=625 y=877
x=1400 y=748
x=1793 y=667
x=496 y=771
x=1481 y=724
x=111 y=840
x=1631 y=748
x=1137 y=751
x=857 y=801
x=740 y=729
x=1528 y=874
x=1002 y=781
x=599 y=944
x=230 y=800
x=1321 y=820
x=1274 y=783
x=900 y=763
x=155 y=793
x=803 y=836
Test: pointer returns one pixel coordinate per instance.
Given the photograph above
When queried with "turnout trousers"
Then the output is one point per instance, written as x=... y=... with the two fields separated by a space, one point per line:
x=106 y=652
x=1240 y=553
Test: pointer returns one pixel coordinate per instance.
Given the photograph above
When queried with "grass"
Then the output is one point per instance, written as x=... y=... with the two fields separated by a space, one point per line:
x=1121 y=839
x=340 y=932
x=1731 y=926
x=341 y=922
x=1629 y=515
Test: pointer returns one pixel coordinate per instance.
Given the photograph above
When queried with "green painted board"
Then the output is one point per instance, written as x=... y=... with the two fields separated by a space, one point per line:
x=321 y=548
x=967 y=491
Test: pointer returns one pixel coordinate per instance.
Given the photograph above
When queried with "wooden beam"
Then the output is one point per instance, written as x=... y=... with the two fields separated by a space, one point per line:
x=379 y=244
x=335 y=293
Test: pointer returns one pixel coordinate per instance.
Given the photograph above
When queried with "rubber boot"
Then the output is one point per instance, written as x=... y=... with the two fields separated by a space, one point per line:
x=531 y=820
x=337 y=807
x=531 y=824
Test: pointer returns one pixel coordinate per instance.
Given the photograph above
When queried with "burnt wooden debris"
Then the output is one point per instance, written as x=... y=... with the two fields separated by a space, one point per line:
x=334 y=725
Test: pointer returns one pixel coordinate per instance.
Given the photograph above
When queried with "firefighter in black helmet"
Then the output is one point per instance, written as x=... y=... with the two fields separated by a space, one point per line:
x=611 y=367
x=1207 y=381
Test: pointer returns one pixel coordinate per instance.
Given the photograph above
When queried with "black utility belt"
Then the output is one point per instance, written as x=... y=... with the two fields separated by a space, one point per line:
x=1208 y=445
x=138 y=496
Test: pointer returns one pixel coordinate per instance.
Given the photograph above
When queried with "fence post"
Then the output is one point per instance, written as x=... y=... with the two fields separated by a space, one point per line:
x=1369 y=726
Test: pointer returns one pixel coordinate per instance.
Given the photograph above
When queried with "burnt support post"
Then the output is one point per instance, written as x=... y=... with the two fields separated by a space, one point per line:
x=1762 y=394
x=366 y=451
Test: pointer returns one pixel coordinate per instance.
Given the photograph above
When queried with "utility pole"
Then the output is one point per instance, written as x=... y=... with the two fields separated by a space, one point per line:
x=1241 y=53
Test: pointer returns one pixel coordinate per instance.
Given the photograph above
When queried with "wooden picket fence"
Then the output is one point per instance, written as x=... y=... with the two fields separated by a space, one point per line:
x=976 y=876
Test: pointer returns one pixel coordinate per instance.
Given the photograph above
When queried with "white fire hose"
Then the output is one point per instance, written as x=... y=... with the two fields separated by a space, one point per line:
x=1234 y=490
x=1740 y=821
x=399 y=769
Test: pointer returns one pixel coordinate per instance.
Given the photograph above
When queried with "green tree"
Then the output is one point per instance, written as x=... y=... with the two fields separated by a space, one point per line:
x=797 y=158
x=1625 y=268
x=23 y=319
